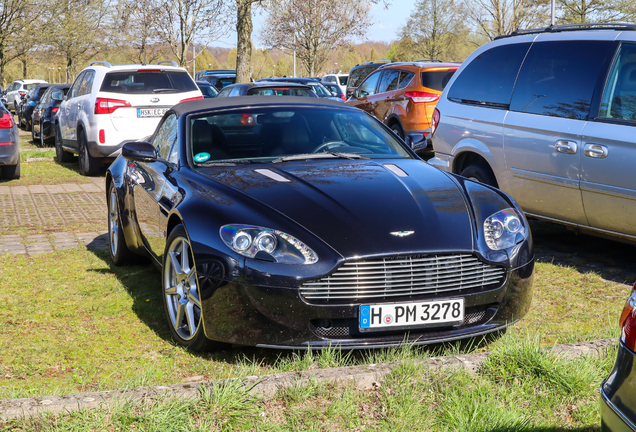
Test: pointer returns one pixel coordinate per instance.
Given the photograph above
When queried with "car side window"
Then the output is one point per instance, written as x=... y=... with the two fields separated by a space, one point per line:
x=45 y=96
x=367 y=88
x=76 y=84
x=389 y=80
x=619 y=96
x=87 y=84
x=224 y=93
x=405 y=79
x=488 y=79
x=558 y=78
x=166 y=136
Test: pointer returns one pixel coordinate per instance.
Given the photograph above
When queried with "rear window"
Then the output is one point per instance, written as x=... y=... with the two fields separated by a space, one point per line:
x=148 y=82
x=29 y=86
x=343 y=80
x=437 y=80
x=279 y=91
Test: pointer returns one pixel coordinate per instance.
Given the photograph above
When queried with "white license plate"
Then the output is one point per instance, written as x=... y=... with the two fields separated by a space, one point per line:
x=449 y=311
x=151 y=112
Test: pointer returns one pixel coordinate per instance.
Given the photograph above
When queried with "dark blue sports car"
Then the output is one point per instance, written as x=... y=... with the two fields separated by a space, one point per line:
x=296 y=222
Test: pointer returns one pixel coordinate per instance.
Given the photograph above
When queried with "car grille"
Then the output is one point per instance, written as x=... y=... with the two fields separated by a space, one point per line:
x=403 y=276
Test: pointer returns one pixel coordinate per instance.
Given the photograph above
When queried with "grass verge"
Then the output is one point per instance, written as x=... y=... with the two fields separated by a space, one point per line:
x=520 y=388
x=47 y=172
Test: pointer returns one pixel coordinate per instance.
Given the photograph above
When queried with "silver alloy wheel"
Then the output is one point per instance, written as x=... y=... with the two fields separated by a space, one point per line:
x=180 y=288
x=113 y=223
x=41 y=136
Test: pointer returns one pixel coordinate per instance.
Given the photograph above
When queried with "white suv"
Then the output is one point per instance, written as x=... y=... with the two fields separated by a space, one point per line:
x=18 y=88
x=339 y=79
x=108 y=106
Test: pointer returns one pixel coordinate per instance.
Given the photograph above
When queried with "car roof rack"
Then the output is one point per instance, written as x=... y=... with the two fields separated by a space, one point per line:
x=170 y=62
x=572 y=27
x=374 y=61
x=105 y=63
x=428 y=61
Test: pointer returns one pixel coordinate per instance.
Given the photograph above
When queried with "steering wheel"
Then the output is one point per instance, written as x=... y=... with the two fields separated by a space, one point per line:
x=329 y=145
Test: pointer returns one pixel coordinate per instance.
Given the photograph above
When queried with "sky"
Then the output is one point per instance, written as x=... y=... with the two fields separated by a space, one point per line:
x=385 y=27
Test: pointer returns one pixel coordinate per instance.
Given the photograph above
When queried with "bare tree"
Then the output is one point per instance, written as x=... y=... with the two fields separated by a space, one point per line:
x=314 y=28
x=78 y=29
x=582 y=11
x=12 y=23
x=435 y=28
x=136 y=18
x=179 y=22
x=501 y=17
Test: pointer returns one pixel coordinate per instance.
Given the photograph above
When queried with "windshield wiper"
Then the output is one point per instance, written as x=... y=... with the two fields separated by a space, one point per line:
x=230 y=162
x=164 y=90
x=322 y=155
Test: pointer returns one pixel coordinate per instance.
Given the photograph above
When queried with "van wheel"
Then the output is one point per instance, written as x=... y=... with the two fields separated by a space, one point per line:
x=395 y=127
x=61 y=155
x=88 y=165
x=480 y=173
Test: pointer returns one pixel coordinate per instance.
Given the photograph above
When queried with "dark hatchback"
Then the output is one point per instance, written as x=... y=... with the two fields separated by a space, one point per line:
x=43 y=121
x=294 y=223
x=618 y=399
x=9 y=146
x=315 y=86
x=25 y=114
x=207 y=89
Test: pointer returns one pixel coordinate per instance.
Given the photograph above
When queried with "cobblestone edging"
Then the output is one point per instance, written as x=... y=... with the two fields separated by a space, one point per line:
x=359 y=377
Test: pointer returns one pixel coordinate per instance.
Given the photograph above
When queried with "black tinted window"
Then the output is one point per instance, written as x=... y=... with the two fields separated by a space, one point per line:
x=490 y=76
x=437 y=80
x=148 y=82
x=405 y=79
x=389 y=80
x=558 y=78
x=358 y=75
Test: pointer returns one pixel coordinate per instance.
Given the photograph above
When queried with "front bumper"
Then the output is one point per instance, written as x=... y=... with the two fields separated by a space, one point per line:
x=618 y=401
x=278 y=317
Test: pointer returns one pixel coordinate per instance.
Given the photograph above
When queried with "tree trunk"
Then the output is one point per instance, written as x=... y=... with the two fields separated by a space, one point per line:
x=2 y=65
x=244 y=40
x=24 y=67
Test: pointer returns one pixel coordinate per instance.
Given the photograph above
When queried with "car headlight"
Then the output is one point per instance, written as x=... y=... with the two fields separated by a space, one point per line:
x=504 y=229
x=249 y=241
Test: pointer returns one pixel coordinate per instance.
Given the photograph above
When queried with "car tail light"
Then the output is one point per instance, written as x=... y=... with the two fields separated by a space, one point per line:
x=55 y=109
x=22 y=92
x=247 y=120
x=627 y=321
x=342 y=96
x=6 y=143
x=102 y=136
x=107 y=106
x=191 y=99
x=435 y=121
x=6 y=122
x=149 y=70
x=422 y=97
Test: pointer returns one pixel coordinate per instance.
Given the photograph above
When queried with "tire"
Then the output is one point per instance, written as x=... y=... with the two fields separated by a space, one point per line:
x=33 y=137
x=479 y=173
x=395 y=127
x=119 y=252
x=88 y=165
x=11 y=172
x=180 y=293
x=19 y=121
x=27 y=125
x=42 y=141
x=61 y=155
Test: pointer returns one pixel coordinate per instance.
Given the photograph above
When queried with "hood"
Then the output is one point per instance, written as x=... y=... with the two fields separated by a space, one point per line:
x=361 y=207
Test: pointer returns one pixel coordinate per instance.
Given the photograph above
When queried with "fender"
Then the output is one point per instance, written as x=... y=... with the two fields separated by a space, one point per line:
x=495 y=159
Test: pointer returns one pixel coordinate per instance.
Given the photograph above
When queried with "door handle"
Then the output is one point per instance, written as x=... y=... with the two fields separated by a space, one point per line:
x=567 y=147
x=79 y=105
x=596 y=151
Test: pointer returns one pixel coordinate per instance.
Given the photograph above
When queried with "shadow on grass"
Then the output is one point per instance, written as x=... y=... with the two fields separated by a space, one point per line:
x=556 y=244
x=142 y=281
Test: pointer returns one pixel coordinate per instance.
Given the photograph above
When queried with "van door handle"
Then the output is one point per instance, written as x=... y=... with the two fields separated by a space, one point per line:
x=596 y=151
x=79 y=105
x=567 y=147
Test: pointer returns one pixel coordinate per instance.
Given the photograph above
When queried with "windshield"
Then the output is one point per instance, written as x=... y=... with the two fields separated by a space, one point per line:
x=319 y=89
x=276 y=134
x=138 y=82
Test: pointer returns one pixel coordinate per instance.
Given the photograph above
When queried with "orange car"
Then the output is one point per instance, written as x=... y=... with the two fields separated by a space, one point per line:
x=404 y=95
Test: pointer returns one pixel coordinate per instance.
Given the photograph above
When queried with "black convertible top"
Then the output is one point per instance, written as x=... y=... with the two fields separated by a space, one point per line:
x=253 y=101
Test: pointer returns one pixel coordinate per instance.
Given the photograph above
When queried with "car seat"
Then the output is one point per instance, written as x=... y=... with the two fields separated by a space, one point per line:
x=208 y=138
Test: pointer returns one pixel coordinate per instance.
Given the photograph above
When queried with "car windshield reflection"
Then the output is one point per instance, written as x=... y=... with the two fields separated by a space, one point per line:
x=288 y=134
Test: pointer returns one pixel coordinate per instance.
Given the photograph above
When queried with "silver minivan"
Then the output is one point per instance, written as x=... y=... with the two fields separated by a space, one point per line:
x=549 y=116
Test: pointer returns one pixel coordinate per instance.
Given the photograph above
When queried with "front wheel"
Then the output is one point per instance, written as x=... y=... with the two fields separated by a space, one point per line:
x=479 y=173
x=61 y=155
x=181 y=297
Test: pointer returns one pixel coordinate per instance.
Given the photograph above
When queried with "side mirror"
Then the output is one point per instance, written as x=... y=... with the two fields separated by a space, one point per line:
x=334 y=94
x=139 y=151
x=57 y=95
x=415 y=141
x=355 y=94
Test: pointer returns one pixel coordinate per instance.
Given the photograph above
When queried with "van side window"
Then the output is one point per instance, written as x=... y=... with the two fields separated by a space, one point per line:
x=619 y=97
x=558 y=78
x=489 y=78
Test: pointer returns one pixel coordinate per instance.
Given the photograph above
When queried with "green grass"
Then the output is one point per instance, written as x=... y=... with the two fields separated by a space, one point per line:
x=47 y=173
x=520 y=388
x=74 y=322
x=24 y=155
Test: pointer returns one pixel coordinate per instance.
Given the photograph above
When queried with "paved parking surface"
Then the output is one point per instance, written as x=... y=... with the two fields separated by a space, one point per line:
x=52 y=209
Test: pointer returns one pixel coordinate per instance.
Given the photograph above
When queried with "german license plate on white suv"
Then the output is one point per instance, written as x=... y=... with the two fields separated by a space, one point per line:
x=151 y=112
x=437 y=312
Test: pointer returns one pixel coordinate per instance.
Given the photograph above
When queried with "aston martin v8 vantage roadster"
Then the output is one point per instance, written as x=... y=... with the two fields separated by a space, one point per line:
x=296 y=222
